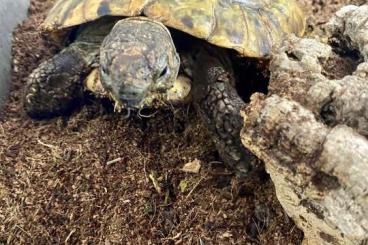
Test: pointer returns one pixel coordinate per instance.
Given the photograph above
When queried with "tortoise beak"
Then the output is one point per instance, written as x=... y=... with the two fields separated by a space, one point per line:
x=124 y=102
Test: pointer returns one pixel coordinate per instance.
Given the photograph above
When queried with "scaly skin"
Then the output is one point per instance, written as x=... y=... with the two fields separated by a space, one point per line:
x=138 y=61
x=55 y=87
x=219 y=105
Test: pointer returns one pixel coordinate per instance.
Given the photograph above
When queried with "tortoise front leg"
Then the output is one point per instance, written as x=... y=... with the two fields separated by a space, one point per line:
x=55 y=86
x=219 y=105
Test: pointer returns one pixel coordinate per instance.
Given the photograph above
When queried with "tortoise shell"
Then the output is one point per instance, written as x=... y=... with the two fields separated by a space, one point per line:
x=247 y=26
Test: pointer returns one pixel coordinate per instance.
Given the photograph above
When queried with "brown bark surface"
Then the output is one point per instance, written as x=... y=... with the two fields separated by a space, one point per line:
x=311 y=130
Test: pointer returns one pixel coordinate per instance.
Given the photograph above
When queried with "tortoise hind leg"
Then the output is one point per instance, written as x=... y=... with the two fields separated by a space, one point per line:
x=55 y=86
x=219 y=105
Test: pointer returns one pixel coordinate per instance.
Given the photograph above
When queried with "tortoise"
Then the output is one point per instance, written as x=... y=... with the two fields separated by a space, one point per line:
x=124 y=49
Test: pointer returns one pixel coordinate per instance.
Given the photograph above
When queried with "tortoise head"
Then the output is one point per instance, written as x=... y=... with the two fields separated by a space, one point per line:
x=138 y=62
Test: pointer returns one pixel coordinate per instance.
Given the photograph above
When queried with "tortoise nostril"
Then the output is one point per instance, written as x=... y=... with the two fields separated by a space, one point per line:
x=104 y=70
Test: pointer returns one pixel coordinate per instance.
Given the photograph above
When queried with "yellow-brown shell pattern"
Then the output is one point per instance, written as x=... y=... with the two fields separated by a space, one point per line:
x=250 y=27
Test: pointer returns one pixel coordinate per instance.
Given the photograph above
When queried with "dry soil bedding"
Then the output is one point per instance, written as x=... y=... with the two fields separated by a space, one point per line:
x=56 y=185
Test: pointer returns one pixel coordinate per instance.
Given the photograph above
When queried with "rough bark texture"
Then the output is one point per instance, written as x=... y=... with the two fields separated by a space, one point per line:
x=311 y=129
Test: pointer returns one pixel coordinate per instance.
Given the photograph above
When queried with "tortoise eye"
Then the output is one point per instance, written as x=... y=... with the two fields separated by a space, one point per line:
x=163 y=72
x=104 y=70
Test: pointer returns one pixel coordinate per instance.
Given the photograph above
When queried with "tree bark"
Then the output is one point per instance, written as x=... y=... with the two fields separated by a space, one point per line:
x=311 y=130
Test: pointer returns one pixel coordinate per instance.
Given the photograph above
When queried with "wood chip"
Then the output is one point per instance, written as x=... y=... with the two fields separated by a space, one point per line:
x=192 y=167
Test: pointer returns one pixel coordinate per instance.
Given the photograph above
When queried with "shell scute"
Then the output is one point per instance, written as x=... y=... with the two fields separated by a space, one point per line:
x=250 y=27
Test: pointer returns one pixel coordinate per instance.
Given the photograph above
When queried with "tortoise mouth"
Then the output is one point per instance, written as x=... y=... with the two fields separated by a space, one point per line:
x=121 y=103
x=148 y=99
